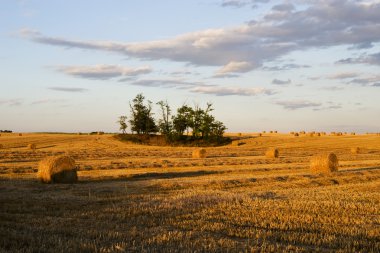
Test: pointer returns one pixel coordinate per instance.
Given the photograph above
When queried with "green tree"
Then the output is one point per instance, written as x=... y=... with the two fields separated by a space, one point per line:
x=200 y=121
x=123 y=124
x=217 y=130
x=165 y=125
x=182 y=121
x=142 y=121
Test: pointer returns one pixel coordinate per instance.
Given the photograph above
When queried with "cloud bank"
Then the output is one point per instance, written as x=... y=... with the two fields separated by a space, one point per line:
x=284 y=29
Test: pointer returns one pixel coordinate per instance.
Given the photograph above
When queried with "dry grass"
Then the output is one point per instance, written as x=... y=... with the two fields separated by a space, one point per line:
x=57 y=169
x=324 y=163
x=272 y=153
x=134 y=198
x=199 y=153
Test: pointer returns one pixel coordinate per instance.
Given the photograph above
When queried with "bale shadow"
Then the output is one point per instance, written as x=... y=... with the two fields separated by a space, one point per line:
x=169 y=175
x=361 y=169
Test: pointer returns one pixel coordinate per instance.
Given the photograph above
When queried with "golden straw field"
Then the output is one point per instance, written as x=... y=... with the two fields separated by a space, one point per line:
x=136 y=198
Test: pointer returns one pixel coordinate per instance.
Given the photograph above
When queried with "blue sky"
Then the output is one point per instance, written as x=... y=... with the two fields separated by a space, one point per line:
x=264 y=64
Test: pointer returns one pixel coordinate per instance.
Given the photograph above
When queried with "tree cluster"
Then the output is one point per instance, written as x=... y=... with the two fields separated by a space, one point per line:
x=189 y=122
x=5 y=131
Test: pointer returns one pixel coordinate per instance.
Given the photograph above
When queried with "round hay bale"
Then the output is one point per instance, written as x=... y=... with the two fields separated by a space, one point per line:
x=324 y=163
x=239 y=134
x=260 y=134
x=199 y=153
x=353 y=133
x=272 y=153
x=19 y=134
x=57 y=169
x=32 y=146
x=296 y=134
x=355 y=150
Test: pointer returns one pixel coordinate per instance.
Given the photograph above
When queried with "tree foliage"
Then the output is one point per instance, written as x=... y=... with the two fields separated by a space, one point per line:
x=123 y=124
x=202 y=124
x=165 y=125
x=142 y=121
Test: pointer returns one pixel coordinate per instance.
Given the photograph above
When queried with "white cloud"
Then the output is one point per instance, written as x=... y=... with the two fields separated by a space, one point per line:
x=200 y=87
x=11 y=102
x=103 y=72
x=234 y=67
x=298 y=104
x=67 y=89
x=345 y=75
x=48 y=101
x=367 y=81
x=167 y=83
x=230 y=91
x=281 y=82
x=372 y=59
x=241 y=3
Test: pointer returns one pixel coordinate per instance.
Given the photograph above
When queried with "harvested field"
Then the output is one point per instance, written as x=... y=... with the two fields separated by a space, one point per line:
x=135 y=198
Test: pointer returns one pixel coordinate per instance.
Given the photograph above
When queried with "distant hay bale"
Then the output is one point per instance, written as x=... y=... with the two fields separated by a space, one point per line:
x=239 y=134
x=355 y=150
x=199 y=153
x=32 y=146
x=271 y=132
x=260 y=134
x=302 y=132
x=318 y=134
x=296 y=134
x=353 y=133
x=291 y=132
x=57 y=169
x=19 y=134
x=275 y=132
x=264 y=132
x=324 y=163
x=272 y=153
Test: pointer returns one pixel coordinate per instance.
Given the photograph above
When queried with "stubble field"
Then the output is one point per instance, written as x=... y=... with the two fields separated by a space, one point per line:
x=134 y=198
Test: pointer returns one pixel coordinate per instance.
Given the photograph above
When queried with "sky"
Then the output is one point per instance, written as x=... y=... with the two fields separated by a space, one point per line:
x=74 y=66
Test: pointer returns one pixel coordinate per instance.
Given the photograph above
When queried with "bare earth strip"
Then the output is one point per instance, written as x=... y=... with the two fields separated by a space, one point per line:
x=133 y=198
